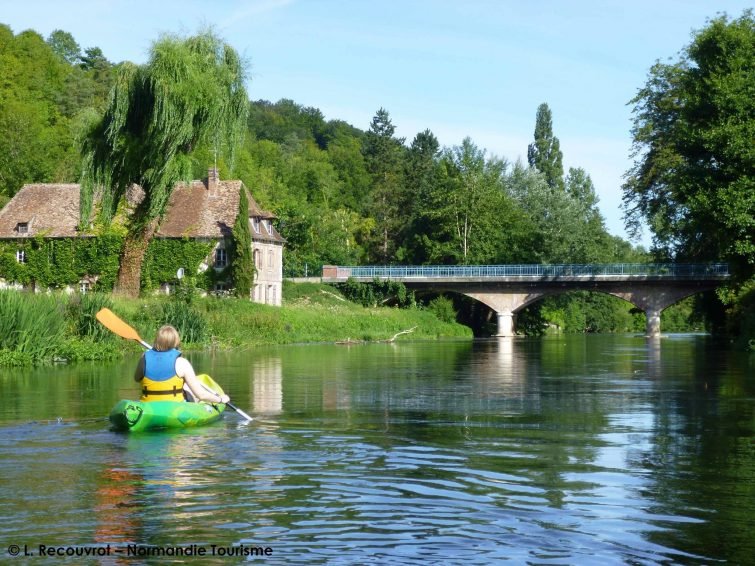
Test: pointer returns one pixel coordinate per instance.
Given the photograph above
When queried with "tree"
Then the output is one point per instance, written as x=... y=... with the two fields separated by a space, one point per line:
x=422 y=174
x=35 y=136
x=470 y=209
x=567 y=227
x=694 y=125
x=242 y=264
x=190 y=90
x=545 y=153
x=65 y=46
x=383 y=155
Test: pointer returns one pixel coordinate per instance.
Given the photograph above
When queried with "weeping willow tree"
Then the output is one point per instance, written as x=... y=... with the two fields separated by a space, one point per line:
x=190 y=91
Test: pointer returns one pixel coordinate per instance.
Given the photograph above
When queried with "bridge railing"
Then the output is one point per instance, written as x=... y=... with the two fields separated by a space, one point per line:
x=670 y=270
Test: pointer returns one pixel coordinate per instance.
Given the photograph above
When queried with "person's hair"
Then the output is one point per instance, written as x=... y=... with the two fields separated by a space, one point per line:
x=166 y=339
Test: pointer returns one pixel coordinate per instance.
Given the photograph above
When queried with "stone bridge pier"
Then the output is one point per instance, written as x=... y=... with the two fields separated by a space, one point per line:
x=650 y=298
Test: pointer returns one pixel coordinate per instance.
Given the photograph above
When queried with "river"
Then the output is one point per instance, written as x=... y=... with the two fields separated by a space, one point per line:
x=560 y=450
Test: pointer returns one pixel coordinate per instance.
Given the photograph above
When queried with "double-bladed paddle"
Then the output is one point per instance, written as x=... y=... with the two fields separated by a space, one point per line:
x=112 y=322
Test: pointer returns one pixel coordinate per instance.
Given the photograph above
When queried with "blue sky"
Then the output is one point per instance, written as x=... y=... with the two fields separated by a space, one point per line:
x=476 y=68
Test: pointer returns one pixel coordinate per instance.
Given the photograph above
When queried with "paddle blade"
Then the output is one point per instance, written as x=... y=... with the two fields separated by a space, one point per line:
x=111 y=321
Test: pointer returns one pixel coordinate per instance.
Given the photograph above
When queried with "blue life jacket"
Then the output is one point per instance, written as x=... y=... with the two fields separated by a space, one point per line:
x=160 y=382
x=160 y=366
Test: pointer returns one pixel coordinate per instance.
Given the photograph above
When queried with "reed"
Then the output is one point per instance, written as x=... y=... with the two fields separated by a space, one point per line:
x=191 y=326
x=31 y=326
x=82 y=310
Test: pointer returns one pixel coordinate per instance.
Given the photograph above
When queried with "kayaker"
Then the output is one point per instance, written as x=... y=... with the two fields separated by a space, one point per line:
x=162 y=371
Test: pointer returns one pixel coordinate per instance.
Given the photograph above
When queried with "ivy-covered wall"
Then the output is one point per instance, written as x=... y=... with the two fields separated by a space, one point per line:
x=165 y=256
x=57 y=263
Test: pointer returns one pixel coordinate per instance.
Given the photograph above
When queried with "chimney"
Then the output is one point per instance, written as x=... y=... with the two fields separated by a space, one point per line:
x=213 y=181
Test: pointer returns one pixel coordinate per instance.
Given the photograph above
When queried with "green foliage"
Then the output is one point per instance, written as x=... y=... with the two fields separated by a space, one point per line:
x=81 y=310
x=443 y=308
x=31 y=327
x=741 y=321
x=65 y=46
x=545 y=153
x=43 y=92
x=57 y=263
x=190 y=324
x=684 y=316
x=166 y=255
x=242 y=263
x=694 y=124
x=383 y=154
x=89 y=349
x=471 y=210
x=345 y=196
x=377 y=293
x=579 y=312
x=190 y=91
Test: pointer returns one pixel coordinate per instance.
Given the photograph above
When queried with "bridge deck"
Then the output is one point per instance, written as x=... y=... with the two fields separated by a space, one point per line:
x=606 y=272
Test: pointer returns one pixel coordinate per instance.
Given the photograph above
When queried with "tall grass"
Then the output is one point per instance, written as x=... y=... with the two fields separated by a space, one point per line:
x=82 y=310
x=191 y=326
x=32 y=327
x=38 y=328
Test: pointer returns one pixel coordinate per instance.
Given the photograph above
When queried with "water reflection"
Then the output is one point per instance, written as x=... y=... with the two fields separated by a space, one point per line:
x=566 y=449
x=267 y=391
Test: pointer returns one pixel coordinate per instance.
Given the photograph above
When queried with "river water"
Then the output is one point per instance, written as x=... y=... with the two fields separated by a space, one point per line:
x=568 y=450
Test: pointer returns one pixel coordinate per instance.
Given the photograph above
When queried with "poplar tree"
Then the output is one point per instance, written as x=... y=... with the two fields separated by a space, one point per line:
x=545 y=153
x=190 y=90
x=242 y=264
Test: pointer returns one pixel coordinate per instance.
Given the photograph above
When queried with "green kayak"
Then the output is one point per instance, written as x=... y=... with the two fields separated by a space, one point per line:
x=137 y=416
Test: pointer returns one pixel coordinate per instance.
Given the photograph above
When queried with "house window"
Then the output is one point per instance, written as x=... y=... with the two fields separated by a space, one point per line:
x=83 y=287
x=256 y=224
x=221 y=258
x=270 y=258
x=20 y=256
x=257 y=259
x=22 y=227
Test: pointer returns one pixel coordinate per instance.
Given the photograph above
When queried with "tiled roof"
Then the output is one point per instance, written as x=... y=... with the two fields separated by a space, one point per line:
x=52 y=210
x=194 y=211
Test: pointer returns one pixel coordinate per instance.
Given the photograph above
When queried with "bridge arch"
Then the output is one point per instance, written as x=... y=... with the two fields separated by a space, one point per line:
x=508 y=305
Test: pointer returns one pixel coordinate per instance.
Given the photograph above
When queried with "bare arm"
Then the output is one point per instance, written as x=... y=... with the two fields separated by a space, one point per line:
x=185 y=370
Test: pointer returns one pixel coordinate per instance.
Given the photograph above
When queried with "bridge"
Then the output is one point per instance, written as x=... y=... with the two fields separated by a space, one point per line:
x=507 y=289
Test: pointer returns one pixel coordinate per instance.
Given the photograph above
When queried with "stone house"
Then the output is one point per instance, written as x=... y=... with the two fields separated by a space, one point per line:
x=202 y=210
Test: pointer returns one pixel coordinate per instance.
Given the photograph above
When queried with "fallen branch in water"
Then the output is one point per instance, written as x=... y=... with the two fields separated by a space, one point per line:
x=400 y=333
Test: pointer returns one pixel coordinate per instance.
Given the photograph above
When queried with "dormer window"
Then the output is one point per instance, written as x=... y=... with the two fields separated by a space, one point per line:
x=266 y=225
x=256 y=224
x=22 y=227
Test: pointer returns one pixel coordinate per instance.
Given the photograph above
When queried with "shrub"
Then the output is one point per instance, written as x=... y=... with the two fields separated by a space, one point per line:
x=443 y=308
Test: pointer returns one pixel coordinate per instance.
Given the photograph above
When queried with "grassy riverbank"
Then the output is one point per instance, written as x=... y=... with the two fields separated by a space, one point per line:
x=40 y=329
